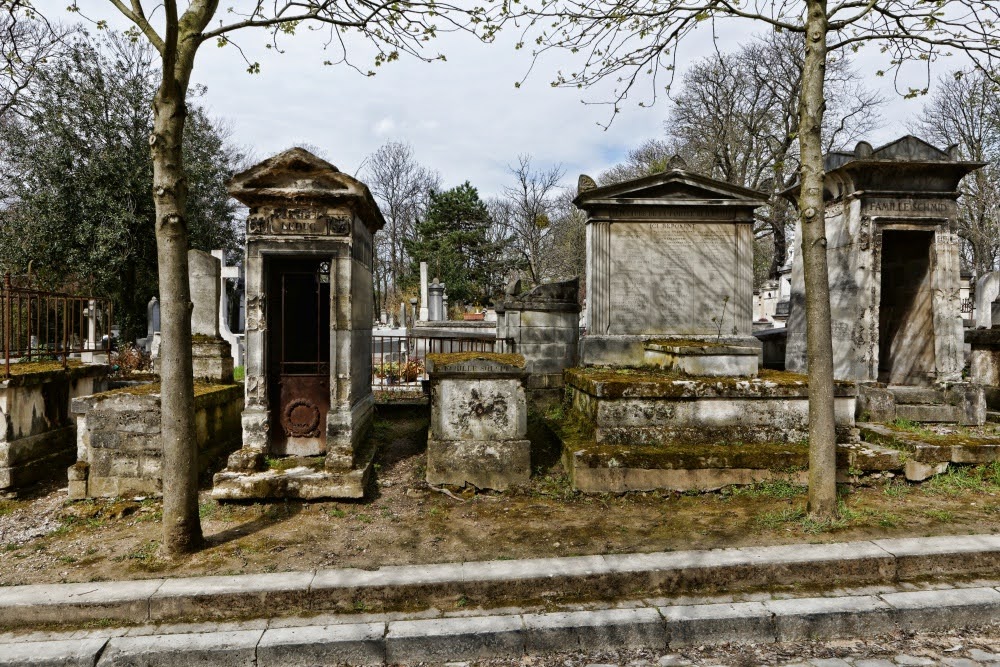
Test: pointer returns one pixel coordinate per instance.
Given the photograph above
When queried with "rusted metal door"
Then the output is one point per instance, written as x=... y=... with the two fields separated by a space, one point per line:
x=299 y=355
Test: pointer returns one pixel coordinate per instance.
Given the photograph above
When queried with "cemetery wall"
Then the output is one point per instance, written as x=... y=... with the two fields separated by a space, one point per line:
x=37 y=434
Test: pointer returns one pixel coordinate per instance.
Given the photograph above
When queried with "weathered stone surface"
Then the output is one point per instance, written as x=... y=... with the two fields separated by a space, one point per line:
x=307 y=217
x=353 y=644
x=204 y=272
x=830 y=618
x=713 y=623
x=893 y=259
x=479 y=419
x=118 y=445
x=224 y=649
x=610 y=629
x=439 y=640
x=486 y=464
x=646 y=272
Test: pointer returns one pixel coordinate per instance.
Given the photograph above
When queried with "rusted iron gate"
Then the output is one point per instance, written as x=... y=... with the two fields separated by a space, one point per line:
x=36 y=325
x=399 y=362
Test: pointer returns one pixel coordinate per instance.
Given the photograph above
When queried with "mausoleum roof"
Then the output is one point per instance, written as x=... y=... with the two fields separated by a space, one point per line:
x=675 y=186
x=297 y=177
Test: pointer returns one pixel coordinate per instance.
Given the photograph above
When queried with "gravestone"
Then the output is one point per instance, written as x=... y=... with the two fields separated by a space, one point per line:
x=669 y=258
x=424 y=306
x=227 y=273
x=893 y=256
x=479 y=420
x=310 y=308
x=211 y=356
x=987 y=291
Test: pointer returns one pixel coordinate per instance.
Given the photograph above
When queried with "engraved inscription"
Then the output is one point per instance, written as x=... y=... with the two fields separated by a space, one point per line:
x=673 y=278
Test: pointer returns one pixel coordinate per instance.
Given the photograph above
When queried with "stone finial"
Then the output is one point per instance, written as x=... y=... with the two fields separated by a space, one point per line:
x=584 y=184
x=676 y=162
x=863 y=150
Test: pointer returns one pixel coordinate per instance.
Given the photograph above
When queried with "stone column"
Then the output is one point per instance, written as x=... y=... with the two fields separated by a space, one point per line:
x=436 y=297
x=423 y=292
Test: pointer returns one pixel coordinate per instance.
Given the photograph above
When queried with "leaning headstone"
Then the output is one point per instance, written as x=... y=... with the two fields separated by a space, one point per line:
x=479 y=426
x=212 y=356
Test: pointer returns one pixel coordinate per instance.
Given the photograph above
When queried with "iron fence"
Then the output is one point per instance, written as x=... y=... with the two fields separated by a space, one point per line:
x=399 y=363
x=38 y=325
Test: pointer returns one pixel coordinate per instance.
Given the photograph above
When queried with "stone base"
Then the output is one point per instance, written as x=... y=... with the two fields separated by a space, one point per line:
x=493 y=465
x=296 y=483
x=630 y=351
x=653 y=407
x=956 y=403
x=703 y=358
x=677 y=467
x=212 y=360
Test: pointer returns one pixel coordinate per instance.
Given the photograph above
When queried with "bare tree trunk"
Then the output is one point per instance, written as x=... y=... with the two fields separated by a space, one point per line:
x=819 y=344
x=181 y=524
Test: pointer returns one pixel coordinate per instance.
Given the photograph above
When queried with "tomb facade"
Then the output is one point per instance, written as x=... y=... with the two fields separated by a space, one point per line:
x=669 y=258
x=893 y=255
x=310 y=310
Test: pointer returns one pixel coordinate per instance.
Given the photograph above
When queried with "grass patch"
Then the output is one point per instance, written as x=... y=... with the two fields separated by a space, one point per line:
x=778 y=518
x=940 y=515
x=239 y=373
x=963 y=479
x=780 y=489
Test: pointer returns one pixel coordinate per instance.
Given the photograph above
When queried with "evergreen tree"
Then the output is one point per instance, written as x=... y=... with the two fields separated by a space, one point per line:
x=454 y=240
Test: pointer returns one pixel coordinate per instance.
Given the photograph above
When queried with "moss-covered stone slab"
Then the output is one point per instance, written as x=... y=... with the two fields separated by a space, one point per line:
x=928 y=447
x=608 y=382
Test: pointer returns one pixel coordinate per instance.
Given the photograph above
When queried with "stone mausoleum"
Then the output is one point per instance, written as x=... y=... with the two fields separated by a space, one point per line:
x=310 y=310
x=670 y=261
x=893 y=255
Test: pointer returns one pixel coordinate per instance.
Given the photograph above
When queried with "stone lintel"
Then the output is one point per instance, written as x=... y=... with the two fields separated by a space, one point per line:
x=478 y=365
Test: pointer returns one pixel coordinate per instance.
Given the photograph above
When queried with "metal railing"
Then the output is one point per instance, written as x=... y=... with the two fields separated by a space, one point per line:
x=37 y=325
x=399 y=362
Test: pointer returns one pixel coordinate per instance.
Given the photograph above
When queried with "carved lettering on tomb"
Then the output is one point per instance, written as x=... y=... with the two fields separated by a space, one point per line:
x=672 y=278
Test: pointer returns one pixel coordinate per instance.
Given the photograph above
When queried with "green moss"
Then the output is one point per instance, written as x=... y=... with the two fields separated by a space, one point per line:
x=686 y=456
x=31 y=367
x=687 y=342
x=200 y=389
x=288 y=462
x=446 y=359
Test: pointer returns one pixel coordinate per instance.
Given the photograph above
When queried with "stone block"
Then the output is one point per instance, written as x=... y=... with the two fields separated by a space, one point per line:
x=601 y=630
x=449 y=639
x=228 y=597
x=942 y=556
x=690 y=625
x=830 y=618
x=222 y=649
x=944 y=610
x=495 y=464
x=56 y=653
x=349 y=644
x=40 y=604
x=917 y=471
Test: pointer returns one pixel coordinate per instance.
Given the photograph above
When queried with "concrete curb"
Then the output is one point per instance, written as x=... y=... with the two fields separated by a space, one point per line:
x=513 y=636
x=500 y=583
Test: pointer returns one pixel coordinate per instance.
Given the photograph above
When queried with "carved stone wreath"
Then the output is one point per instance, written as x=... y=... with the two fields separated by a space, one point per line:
x=300 y=419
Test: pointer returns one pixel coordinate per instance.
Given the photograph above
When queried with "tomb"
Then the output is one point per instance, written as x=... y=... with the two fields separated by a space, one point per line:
x=310 y=310
x=893 y=256
x=479 y=420
x=670 y=395
x=670 y=272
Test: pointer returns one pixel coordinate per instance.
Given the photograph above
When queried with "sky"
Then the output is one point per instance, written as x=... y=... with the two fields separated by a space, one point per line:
x=463 y=118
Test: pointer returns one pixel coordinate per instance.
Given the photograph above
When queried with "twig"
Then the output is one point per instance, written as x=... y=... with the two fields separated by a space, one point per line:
x=447 y=493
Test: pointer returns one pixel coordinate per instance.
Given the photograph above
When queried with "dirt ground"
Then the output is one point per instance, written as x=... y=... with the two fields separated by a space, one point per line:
x=44 y=538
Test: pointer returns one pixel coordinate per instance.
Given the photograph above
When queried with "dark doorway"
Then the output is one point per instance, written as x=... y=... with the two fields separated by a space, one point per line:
x=906 y=308
x=298 y=364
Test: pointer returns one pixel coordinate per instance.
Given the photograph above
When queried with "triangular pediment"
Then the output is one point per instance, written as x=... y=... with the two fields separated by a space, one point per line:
x=675 y=185
x=910 y=148
x=292 y=173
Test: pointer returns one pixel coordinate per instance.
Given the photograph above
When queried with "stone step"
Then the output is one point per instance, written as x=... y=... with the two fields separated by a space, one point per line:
x=494 y=584
x=928 y=413
x=916 y=395
x=600 y=468
x=517 y=634
x=932 y=449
